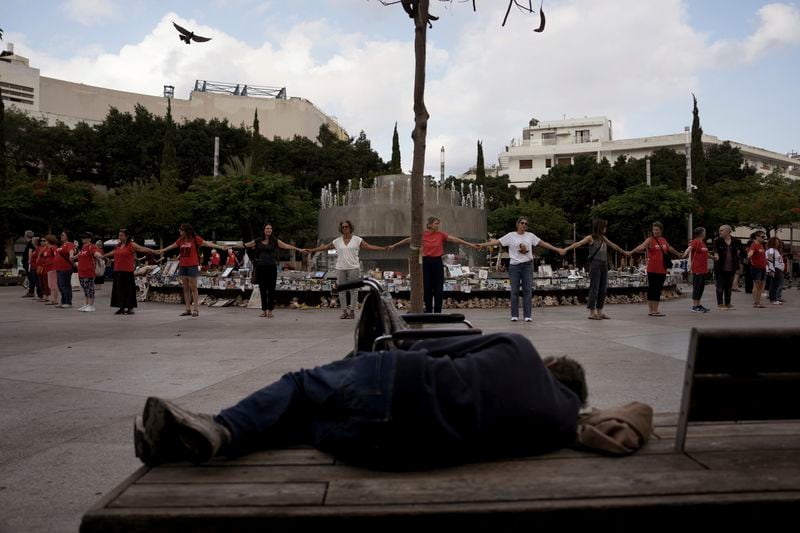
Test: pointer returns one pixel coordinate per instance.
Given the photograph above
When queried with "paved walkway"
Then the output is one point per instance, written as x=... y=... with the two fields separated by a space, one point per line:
x=71 y=383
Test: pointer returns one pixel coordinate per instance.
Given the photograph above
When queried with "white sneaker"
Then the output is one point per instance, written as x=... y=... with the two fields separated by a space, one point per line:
x=66 y=306
x=514 y=319
x=83 y=307
x=90 y=308
x=528 y=319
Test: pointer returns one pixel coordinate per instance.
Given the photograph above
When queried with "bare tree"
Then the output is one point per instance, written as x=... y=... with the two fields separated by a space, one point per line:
x=419 y=11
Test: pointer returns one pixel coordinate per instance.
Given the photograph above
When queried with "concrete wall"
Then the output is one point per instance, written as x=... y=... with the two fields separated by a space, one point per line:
x=382 y=216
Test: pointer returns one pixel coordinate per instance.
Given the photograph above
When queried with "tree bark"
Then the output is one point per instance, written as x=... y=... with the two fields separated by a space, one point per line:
x=418 y=167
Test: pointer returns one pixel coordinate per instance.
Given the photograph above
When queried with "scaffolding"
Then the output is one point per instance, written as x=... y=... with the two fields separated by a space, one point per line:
x=239 y=89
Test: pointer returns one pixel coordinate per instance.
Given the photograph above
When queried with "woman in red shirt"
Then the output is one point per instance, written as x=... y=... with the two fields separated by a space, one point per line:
x=86 y=269
x=189 y=267
x=432 y=267
x=123 y=291
x=758 y=266
x=62 y=264
x=657 y=248
x=698 y=250
x=41 y=272
x=47 y=257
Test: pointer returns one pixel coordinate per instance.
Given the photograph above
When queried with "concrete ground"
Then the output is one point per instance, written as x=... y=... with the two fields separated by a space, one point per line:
x=71 y=383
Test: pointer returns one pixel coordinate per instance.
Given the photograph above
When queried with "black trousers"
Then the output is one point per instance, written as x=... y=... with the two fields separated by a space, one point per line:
x=432 y=283
x=267 y=277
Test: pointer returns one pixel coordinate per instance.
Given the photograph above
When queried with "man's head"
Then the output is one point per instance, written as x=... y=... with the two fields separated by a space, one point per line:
x=569 y=373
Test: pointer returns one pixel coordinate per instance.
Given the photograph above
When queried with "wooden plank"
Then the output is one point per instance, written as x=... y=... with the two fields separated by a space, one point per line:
x=291 y=456
x=772 y=428
x=749 y=460
x=466 y=489
x=585 y=464
x=220 y=495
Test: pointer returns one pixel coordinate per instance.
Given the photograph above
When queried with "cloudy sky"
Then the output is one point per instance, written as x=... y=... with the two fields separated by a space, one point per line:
x=634 y=61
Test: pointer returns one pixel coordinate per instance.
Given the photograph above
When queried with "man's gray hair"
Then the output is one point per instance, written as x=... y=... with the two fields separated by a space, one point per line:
x=29 y=234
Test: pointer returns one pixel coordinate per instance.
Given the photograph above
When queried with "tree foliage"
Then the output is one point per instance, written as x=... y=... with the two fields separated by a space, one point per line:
x=395 y=166
x=480 y=168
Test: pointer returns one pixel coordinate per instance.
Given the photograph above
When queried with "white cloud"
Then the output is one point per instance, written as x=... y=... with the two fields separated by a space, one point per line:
x=88 y=12
x=779 y=25
x=612 y=58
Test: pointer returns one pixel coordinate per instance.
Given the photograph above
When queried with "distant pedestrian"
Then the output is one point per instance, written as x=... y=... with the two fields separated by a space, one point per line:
x=698 y=253
x=267 y=266
x=758 y=266
x=727 y=254
x=520 y=245
x=48 y=258
x=658 y=262
x=88 y=256
x=123 y=292
x=30 y=273
x=432 y=266
x=598 y=267
x=348 y=266
x=776 y=268
x=189 y=245
x=63 y=265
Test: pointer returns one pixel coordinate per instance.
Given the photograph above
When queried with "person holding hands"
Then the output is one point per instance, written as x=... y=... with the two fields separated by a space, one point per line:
x=520 y=245
x=658 y=262
x=597 y=267
x=189 y=245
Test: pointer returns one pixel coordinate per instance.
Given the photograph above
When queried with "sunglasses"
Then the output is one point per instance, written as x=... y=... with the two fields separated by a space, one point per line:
x=523 y=223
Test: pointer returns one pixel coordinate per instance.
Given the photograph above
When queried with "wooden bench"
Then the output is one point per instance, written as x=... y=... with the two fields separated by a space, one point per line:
x=735 y=474
x=735 y=375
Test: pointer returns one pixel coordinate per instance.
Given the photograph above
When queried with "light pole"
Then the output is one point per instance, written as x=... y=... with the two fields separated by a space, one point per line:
x=689 y=175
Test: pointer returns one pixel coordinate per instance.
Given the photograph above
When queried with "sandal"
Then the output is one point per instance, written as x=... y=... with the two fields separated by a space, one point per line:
x=269 y=314
x=656 y=314
x=263 y=314
x=195 y=313
x=759 y=306
x=605 y=317
x=593 y=317
x=345 y=314
x=186 y=313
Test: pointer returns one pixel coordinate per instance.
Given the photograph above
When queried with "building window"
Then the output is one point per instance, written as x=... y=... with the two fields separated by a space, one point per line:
x=564 y=161
x=582 y=136
x=548 y=163
x=549 y=138
x=525 y=164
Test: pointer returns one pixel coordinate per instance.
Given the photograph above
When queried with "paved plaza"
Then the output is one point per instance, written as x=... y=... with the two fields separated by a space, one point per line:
x=71 y=382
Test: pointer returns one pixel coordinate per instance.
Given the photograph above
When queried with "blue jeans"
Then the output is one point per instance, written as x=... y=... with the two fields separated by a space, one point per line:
x=64 y=279
x=598 y=284
x=343 y=407
x=776 y=289
x=523 y=272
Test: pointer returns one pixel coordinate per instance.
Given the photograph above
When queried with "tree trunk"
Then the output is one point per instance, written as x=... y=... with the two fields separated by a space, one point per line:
x=418 y=167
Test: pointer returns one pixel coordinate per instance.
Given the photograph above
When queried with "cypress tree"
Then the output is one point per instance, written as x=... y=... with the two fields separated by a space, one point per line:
x=169 y=159
x=256 y=131
x=480 y=170
x=698 y=156
x=394 y=166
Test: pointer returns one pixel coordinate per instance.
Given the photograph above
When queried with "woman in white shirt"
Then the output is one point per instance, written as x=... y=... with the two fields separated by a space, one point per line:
x=348 y=267
x=776 y=268
x=520 y=245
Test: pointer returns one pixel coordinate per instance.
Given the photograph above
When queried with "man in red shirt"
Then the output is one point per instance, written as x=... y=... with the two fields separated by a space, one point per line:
x=758 y=266
x=698 y=252
x=62 y=264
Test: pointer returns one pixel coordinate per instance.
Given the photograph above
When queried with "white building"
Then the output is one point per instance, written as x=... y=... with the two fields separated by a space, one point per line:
x=545 y=144
x=58 y=100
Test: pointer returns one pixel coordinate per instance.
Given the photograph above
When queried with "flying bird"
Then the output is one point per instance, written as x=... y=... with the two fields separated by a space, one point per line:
x=189 y=36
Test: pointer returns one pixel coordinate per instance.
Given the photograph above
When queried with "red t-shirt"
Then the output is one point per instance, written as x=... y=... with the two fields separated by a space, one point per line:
x=433 y=243
x=215 y=259
x=86 y=260
x=124 y=258
x=62 y=263
x=699 y=257
x=655 y=255
x=231 y=260
x=759 y=258
x=188 y=251
x=46 y=258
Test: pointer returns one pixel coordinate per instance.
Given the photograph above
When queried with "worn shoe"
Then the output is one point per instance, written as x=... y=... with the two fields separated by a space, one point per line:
x=166 y=432
x=344 y=315
x=351 y=314
x=514 y=319
x=119 y=311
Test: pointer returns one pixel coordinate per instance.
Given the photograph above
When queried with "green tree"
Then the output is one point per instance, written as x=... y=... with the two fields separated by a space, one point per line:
x=547 y=222
x=237 y=207
x=480 y=169
x=774 y=204
x=698 y=157
x=169 y=158
x=394 y=166
x=256 y=130
x=631 y=214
